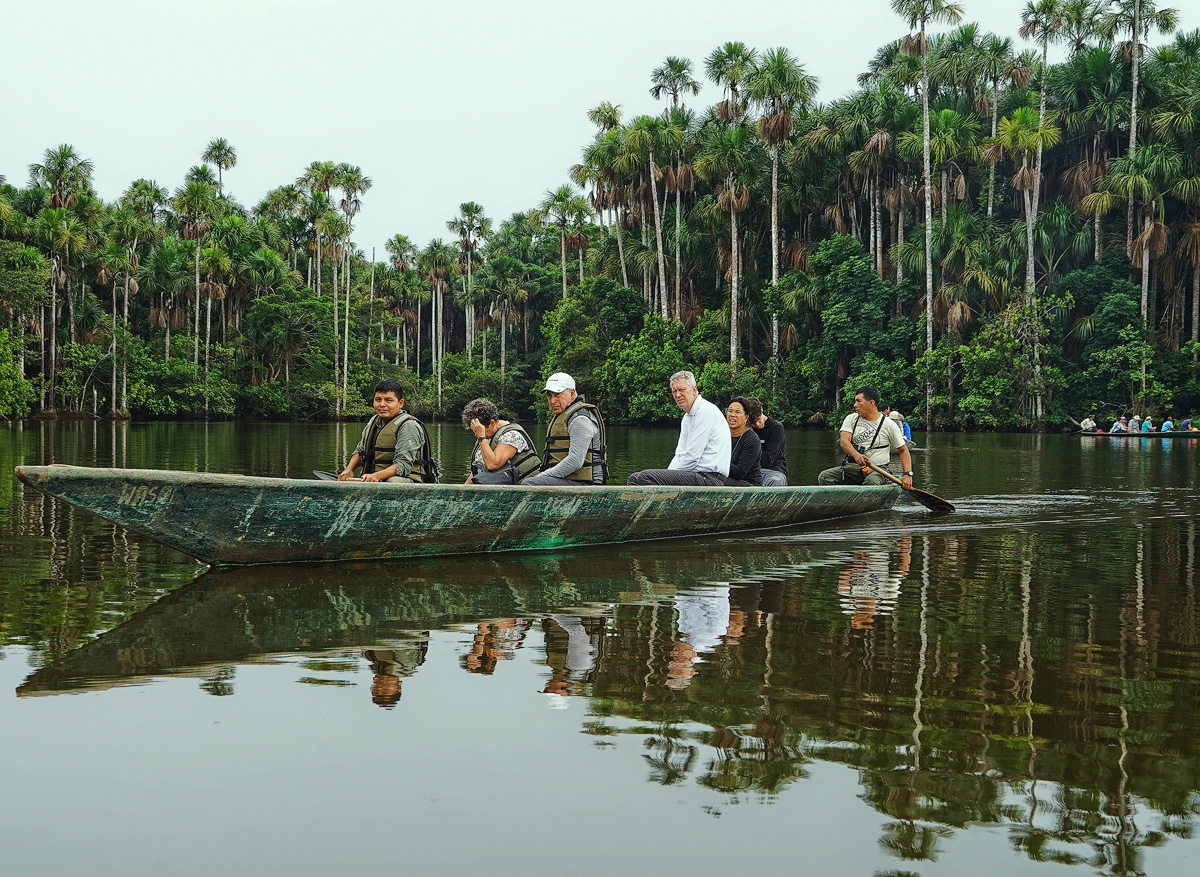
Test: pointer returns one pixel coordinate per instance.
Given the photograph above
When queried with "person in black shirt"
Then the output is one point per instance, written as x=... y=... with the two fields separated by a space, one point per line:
x=774 y=448
x=745 y=446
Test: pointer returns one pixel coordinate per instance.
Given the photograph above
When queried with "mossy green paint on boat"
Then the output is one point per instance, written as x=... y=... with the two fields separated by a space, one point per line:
x=233 y=519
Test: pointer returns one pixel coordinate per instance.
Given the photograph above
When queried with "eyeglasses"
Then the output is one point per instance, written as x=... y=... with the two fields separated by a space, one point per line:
x=735 y=411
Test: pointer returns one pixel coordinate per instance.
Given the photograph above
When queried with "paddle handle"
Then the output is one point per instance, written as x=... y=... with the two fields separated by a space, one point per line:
x=886 y=474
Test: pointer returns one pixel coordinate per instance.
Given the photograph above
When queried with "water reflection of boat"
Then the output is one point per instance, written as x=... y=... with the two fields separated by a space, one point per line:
x=257 y=614
x=232 y=519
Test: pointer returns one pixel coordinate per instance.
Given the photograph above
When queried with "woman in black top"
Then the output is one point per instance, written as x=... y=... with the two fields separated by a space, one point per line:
x=746 y=448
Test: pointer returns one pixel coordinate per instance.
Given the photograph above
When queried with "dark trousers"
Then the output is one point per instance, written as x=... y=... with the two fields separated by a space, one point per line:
x=849 y=474
x=677 y=478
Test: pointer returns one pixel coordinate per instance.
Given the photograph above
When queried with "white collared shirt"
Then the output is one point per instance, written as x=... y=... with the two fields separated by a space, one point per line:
x=704 y=441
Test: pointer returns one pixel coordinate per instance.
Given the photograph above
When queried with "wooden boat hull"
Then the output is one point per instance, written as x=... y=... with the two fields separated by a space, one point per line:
x=233 y=519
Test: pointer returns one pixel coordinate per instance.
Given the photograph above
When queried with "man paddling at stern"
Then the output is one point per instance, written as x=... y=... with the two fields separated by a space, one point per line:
x=868 y=435
x=394 y=446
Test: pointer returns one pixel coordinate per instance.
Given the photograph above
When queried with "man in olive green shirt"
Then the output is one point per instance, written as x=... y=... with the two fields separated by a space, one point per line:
x=410 y=439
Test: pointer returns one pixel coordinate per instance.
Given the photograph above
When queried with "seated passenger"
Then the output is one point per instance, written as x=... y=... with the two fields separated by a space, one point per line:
x=703 y=450
x=903 y=424
x=774 y=449
x=394 y=446
x=503 y=452
x=1167 y=425
x=745 y=446
x=576 y=448
x=1121 y=425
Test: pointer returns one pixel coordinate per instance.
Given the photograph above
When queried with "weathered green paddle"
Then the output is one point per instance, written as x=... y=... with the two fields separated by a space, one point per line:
x=925 y=498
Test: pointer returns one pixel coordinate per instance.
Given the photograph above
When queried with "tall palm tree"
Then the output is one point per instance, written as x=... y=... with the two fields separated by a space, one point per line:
x=999 y=66
x=401 y=255
x=673 y=78
x=60 y=234
x=1041 y=20
x=555 y=209
x=1137 y=18
x=221 y=155
x=194 y=203
x=643 y=135
x=64 y=173
x=919 y=14
x=436 y=262
x=1080 y=20
x=725 y=157
x=318 y=178
x=727 y=66
x=780 y=86
x=334 y=229
x=128 y=227
x=504 y=279
x=471 y=226
x=353 y=183
x=599 y=168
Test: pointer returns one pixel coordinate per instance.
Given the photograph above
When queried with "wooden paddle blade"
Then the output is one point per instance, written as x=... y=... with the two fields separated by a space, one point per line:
x=325 y=476
x=931 y=502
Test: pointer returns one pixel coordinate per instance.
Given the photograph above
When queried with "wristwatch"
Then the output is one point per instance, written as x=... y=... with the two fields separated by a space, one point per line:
x=909 y=473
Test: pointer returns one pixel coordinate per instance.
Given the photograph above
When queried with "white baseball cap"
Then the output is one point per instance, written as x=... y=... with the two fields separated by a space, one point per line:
x=558 y=382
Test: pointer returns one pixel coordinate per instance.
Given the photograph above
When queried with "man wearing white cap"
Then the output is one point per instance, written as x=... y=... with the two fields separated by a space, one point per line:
x=702 y=454
x=575 y=445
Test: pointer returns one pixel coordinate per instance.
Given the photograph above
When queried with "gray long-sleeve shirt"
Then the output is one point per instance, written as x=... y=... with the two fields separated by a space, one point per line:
x=583 y=433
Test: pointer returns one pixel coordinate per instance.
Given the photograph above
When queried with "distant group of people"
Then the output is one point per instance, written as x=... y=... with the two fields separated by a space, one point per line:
x=1137 y=424
x=742 y=447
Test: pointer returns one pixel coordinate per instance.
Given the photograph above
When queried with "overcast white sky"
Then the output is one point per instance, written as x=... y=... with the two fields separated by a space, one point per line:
x=438 y=102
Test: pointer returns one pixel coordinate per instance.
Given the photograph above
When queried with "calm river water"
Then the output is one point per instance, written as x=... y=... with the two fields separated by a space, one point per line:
x=1013 y=689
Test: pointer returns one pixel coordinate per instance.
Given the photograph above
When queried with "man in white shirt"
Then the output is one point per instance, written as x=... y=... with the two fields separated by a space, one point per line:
x=867 y=434
x=704 y=449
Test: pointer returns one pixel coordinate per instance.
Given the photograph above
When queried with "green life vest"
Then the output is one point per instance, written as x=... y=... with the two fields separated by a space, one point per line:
x=558 y=444
x=381 y=449
x=527 y=462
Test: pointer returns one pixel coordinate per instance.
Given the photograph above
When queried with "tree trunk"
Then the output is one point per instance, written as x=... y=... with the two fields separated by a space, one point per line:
x=112 y=401
x=346 y=337
x=196 y=322
x=503 y=342
x=621 y=250
x=371 y=306
x=662 y=265
x=337 y=397
x=928 y=220
x=678 y=264
x=562 y=249
x=1195 y=307
x=774 y=262
x=1136 y=39
x=992 y=171
x=125 y=349
x=733 y=295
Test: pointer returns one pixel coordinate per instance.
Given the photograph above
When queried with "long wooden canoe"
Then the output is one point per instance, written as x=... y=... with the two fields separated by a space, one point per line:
x=233 y=519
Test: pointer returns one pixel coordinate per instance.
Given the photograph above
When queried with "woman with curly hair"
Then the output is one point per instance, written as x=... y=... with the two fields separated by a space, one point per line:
x=503 y=453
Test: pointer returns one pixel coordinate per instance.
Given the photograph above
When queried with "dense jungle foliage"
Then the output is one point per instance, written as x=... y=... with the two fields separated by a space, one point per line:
x=995 y=241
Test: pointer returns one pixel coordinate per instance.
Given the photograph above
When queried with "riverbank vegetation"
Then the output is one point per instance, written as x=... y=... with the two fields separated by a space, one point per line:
x=996 y=241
